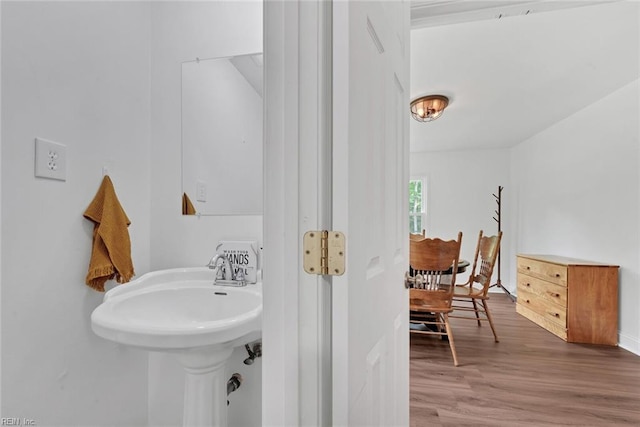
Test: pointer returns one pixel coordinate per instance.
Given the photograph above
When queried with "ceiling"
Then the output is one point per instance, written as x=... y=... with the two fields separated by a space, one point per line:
x=513 y=68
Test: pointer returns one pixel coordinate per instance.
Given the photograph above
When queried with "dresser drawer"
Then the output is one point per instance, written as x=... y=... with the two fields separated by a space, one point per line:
x=543 y=270
x=542 y=289
x=552 y=327
x=548 y=310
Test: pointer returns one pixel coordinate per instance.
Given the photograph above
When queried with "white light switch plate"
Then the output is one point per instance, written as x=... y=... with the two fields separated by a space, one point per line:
x=51 y=160
x=201 y=191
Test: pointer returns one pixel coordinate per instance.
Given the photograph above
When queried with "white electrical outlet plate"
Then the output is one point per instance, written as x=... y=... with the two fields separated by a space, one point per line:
x=51 y=160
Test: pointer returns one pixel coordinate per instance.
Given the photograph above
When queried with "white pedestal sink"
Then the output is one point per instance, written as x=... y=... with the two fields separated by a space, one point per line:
x=181 y=311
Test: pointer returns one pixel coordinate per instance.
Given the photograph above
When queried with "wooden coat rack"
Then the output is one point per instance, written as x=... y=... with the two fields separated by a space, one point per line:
x=497 y=218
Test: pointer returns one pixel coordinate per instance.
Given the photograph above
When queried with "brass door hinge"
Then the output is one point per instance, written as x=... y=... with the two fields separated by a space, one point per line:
x=324 y=252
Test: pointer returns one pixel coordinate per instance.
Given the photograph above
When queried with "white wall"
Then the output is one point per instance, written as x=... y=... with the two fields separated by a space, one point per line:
x=76 y=73
x=460 y=188
x=577 y=192
x=182 y=31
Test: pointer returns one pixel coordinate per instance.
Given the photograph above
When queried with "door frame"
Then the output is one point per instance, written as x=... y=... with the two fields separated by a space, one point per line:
x=297 y=387
x=296 y=379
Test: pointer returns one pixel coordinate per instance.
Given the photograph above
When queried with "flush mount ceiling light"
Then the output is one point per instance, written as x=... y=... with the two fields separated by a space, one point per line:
x=428 y=108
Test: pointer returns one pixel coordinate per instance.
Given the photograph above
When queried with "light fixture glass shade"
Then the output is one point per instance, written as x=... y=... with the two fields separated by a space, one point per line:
x=428 y=108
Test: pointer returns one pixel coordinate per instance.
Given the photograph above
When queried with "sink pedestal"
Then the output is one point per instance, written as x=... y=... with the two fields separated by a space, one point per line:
x=205 y=393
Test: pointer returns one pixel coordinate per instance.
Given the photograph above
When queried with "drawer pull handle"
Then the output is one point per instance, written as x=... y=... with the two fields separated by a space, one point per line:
x=555 y=315
x=557 y=274
x=528 y=268
x=528 y=301
x=528 y=284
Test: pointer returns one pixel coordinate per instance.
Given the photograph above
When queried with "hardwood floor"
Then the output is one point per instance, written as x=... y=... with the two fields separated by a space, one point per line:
x=529 y=378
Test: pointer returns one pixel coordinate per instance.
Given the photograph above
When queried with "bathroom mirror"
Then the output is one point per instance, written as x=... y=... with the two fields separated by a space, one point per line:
x=222 y=136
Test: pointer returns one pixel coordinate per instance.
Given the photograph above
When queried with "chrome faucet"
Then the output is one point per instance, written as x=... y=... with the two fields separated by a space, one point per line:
x=225 y=275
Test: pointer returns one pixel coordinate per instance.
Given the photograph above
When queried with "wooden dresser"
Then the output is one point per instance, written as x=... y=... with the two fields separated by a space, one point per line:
x=574 y=299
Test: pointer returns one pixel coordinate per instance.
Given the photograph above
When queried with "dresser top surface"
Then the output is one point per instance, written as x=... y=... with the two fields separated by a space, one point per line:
x=562 y=260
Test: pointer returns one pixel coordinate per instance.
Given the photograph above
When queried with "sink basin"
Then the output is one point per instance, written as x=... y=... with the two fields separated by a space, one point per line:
x=181 y=311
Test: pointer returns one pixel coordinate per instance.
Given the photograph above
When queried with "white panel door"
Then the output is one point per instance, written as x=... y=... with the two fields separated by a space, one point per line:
x=370 y=341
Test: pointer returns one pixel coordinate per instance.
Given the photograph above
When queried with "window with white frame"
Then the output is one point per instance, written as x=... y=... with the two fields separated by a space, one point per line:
x=417 y=205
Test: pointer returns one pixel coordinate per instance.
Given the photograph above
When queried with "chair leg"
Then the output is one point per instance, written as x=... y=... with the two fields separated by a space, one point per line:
x=488 y=314
x=450 y=335
x=475 y=310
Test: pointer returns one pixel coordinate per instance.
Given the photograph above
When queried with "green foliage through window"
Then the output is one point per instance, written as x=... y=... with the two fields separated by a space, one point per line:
x=416 y=206
x=415 y=196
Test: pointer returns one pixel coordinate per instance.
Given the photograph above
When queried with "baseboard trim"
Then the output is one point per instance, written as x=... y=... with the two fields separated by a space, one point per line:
x=629 y=343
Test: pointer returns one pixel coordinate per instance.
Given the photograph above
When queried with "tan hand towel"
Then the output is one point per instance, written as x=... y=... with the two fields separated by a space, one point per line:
x=111 y=252
x=187 y=206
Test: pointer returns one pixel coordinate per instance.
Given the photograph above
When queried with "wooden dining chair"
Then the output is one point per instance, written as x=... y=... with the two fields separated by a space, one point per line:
x=417 y=236
x=431 y=291
x=473 y=295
